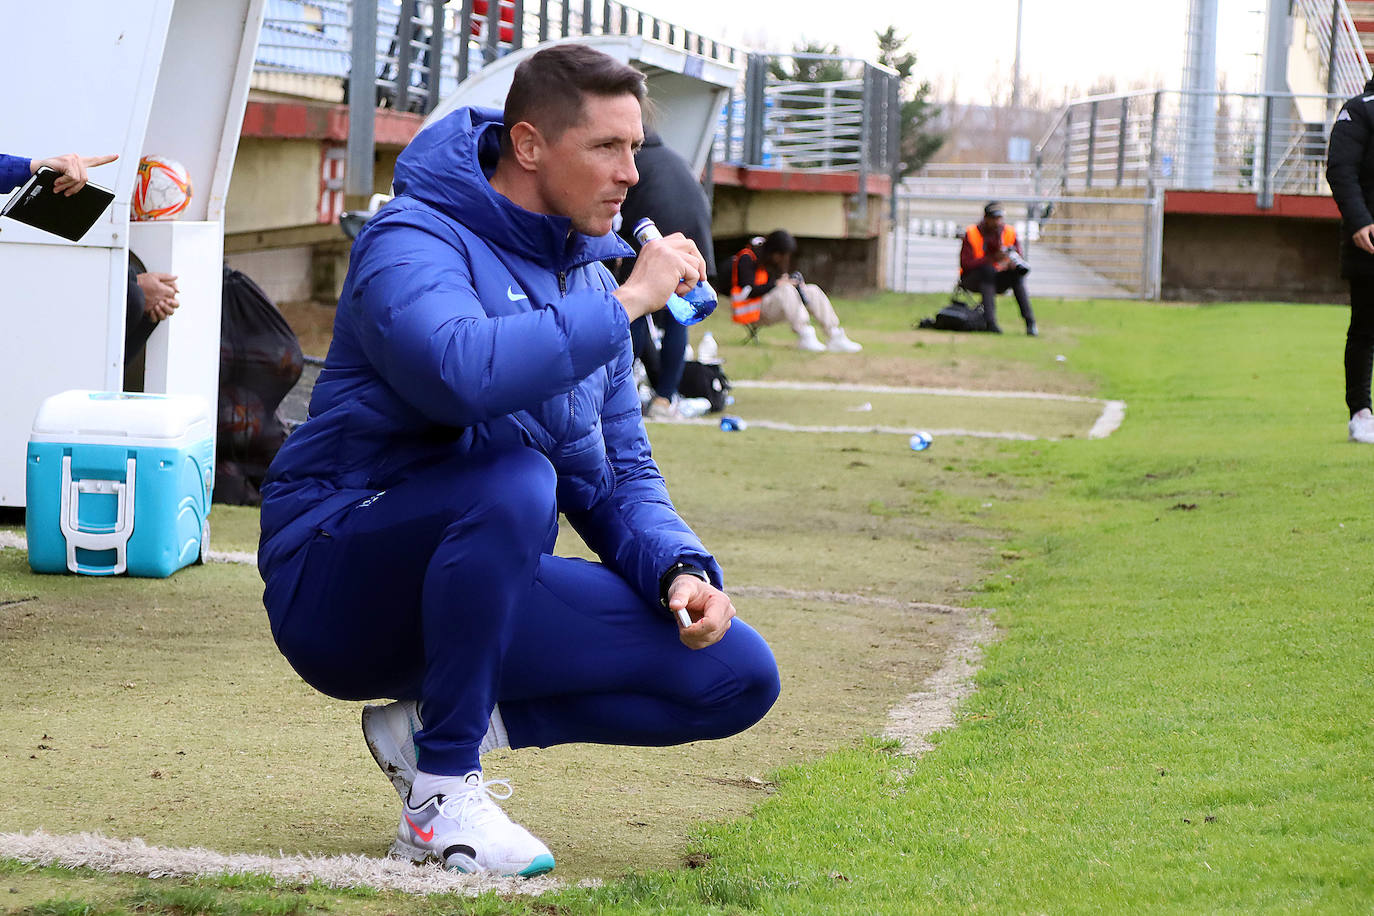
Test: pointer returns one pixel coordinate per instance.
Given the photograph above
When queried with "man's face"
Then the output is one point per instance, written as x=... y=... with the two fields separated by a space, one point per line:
x=585 y=173
x=995 y=223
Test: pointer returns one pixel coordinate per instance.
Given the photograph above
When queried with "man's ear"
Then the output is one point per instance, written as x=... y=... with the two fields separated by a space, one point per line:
x=527 y=145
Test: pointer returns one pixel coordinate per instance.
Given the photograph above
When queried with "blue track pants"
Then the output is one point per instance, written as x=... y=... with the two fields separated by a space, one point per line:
x=439 y=590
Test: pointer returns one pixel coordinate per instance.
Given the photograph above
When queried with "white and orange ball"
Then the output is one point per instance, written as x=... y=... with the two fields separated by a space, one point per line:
x=162 y=189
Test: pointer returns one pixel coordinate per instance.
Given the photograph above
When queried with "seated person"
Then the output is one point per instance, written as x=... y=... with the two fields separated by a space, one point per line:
x=991 y=262
x=765 y=290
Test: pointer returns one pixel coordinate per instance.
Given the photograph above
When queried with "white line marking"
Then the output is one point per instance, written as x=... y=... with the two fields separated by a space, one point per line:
x=92 y=850
x=893 y=389
x=922 y=714
x=1113 y=413
x=232 y=556
x=895 y=430
x=1109 y=421
x=9 y=539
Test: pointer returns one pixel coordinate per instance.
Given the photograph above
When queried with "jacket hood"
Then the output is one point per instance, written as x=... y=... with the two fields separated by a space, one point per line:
x=1369 y=86
x=447 y=166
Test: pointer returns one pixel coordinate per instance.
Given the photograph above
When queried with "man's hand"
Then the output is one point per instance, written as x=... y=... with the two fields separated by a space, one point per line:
x=159 y=294
x=1364 y=239
x=72 y=168
x=665 y=266
x=709 y=607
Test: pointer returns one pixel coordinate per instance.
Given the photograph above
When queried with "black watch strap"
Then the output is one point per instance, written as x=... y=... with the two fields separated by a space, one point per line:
x=678 y=569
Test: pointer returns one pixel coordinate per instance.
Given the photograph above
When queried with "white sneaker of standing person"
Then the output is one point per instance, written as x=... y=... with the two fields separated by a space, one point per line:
x=807 y=340
x=390 y=734
x=1362 y=426
x=461 y=827
x=840 y=343
x=662 y=410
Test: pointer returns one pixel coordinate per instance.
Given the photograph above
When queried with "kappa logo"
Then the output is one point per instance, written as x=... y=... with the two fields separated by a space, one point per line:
x=371 y=499
x=513 y=296
x=1344 y=116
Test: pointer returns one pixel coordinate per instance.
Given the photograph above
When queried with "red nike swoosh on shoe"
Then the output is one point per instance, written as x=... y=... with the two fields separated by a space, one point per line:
x=424 y=835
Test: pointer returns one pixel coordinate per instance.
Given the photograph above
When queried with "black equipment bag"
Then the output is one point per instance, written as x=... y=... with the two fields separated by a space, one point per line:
x=260 y=360
x=704 y=380
x=957 y=316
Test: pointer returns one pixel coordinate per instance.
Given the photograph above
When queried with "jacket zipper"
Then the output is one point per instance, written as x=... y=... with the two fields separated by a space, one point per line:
x=563 y=291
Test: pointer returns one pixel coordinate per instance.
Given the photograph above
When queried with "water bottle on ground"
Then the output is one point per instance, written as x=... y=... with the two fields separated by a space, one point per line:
x=699 y=302
x=708 y=351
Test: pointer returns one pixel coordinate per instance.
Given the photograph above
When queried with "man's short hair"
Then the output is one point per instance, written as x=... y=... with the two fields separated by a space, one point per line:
x=993 y=210
x=779 y=241
x=548 y=87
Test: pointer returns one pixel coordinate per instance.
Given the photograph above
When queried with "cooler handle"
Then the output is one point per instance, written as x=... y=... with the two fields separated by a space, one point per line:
x=69 y=519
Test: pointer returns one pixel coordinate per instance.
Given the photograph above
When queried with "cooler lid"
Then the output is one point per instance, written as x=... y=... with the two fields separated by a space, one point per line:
x=119 y=414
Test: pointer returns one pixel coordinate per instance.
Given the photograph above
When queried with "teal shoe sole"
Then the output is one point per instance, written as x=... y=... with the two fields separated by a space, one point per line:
x=540 y=866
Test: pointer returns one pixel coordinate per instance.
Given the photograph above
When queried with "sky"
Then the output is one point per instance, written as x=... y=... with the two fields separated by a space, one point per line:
x=966 y=49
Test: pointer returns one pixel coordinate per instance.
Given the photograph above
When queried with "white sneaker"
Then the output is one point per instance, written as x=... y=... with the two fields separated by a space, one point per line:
x=840 y=343
x=662 y=410
x=1362 y=426
x=467 y=831
x=390 y=734
x=807 y=340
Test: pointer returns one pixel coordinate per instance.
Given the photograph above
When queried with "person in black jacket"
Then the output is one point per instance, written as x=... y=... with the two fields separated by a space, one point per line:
x=669 y=194
x=1350 y=172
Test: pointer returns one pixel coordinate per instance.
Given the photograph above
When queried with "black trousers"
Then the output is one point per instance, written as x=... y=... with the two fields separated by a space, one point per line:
x=988 y=282
x=1359 y=344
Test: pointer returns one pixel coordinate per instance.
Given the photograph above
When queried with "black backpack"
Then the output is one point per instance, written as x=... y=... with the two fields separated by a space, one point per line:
x=704 y=380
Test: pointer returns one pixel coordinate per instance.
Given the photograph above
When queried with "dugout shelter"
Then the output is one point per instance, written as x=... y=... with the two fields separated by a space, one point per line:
x=167 y=77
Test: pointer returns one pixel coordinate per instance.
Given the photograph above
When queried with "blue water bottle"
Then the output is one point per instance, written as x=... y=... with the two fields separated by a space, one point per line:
x=700 y=300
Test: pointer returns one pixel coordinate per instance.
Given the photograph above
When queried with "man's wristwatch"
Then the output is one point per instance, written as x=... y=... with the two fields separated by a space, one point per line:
x=679 y=568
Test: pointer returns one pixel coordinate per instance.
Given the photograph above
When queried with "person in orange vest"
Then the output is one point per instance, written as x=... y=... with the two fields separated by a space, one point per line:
x=991 y=262
x=765 y=290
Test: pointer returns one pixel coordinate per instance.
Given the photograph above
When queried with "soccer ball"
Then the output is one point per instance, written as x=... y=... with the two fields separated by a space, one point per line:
x=162 y=189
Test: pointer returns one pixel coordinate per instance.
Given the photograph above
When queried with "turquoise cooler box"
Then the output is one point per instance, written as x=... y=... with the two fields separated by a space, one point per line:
x=119 y=483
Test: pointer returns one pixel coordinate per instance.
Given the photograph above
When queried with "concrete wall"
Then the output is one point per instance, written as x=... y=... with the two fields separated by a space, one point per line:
x=276 y=184
x=836 y=247
x=1209 y=258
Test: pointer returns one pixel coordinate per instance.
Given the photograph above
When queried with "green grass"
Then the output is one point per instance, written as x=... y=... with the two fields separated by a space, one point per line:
x=1177 y=717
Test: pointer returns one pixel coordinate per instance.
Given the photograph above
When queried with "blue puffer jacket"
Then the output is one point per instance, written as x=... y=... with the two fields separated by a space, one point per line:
x=467 y=322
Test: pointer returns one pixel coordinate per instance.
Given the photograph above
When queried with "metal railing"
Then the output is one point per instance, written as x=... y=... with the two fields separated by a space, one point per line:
x=442 y=43
x=1337 y=44
x=425 y=48
x=847 y=124
x=1262 y=143
x=988 y=179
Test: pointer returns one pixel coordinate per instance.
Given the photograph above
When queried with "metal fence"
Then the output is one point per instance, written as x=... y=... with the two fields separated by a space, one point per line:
x=845 y=124
x=426 y=47
x=1329 y=34
x=1078 y=246
x=1262 y=143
